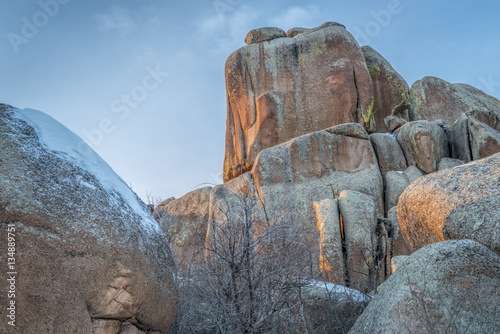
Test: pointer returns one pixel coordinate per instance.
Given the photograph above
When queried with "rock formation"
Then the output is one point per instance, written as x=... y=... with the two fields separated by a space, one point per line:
x=331 y=260
x=283 y=88
x=90 y=258
x=185 y=222
x=456 y=203
x=452 y=286
x=389 y=154
x=301 y=108
x=263 y=35
x=391 y=92
x=433 y=98
x=424 y=144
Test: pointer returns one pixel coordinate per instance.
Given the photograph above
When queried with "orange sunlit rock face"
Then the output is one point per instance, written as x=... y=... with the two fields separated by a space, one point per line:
x=456 y=203
x=280 y=89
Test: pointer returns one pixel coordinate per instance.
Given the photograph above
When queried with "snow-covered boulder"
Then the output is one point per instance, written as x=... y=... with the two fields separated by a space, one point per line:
x=89 y=257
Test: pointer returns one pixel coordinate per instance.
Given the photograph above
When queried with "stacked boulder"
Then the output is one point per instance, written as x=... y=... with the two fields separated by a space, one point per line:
x=330 y=133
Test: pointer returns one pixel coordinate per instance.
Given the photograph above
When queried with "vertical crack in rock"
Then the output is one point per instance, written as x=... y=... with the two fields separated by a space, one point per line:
x=344 y=253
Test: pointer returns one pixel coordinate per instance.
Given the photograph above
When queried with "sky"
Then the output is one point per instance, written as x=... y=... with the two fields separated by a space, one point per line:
x=142 y=81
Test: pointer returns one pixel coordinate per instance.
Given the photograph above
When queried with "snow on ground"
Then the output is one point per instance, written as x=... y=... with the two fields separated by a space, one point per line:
x=339 y=291
x=67 y=145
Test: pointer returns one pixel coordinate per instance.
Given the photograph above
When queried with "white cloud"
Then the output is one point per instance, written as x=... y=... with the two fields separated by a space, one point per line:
x=296 y=16
x=118 y=20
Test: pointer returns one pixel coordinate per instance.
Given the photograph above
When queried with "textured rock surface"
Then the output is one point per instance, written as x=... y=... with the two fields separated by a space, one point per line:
x=424 y=144
x=458 y=138
x=453 y=287
x=263 y=35
x=392 y=123
x=486 y=116
x=295 y=31
x=292 y=176
x=87 y=248
x=359 y=222
x=398 y=261
x=456 y=203
x=316 y=166
x=412 y=173
x=484 y=141
x=395 y=184
x=400 y=245
x=446 y=163
x=330 y=240
x=288 y=87
x=433 y=98
x=184 y=221
x=391 y=92
x=389 y=154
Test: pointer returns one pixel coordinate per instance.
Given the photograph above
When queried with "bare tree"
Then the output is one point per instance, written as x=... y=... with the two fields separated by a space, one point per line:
x=254 y=269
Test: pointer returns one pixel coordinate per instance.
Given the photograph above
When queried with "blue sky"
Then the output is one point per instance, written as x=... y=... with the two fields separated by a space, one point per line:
x=143 y=81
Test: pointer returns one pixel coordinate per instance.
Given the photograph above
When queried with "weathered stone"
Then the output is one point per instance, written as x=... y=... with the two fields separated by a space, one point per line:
x=130 y=329
x=396 y=182
x=226 y=201
x=455 y=203
x=288 y=87
x=400 y=245
x=412 y=173
x=88 y=248
x=103 y=326
x=389 y=154
x=487 y=117
x=451 y=286
x=458 y=137
x=439 y=122
x=295 y=31
x=160 y=208
x=392 y=215
x=392 y=123
x=384 y=249
x=446 y=163
x=263 y=35
x=391 y=96
x=317 y=166
x=292 y=176
x=354 y=130
x=359 y=222
x=398 y=261
x=484 y=141
x=330 y=241
x=327 y=25
x=423 y=144
x=433 y=98
x=185 y=221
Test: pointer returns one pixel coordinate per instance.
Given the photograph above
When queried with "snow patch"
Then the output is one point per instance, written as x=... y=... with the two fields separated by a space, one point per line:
x=67 y=145
x=339 y=290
